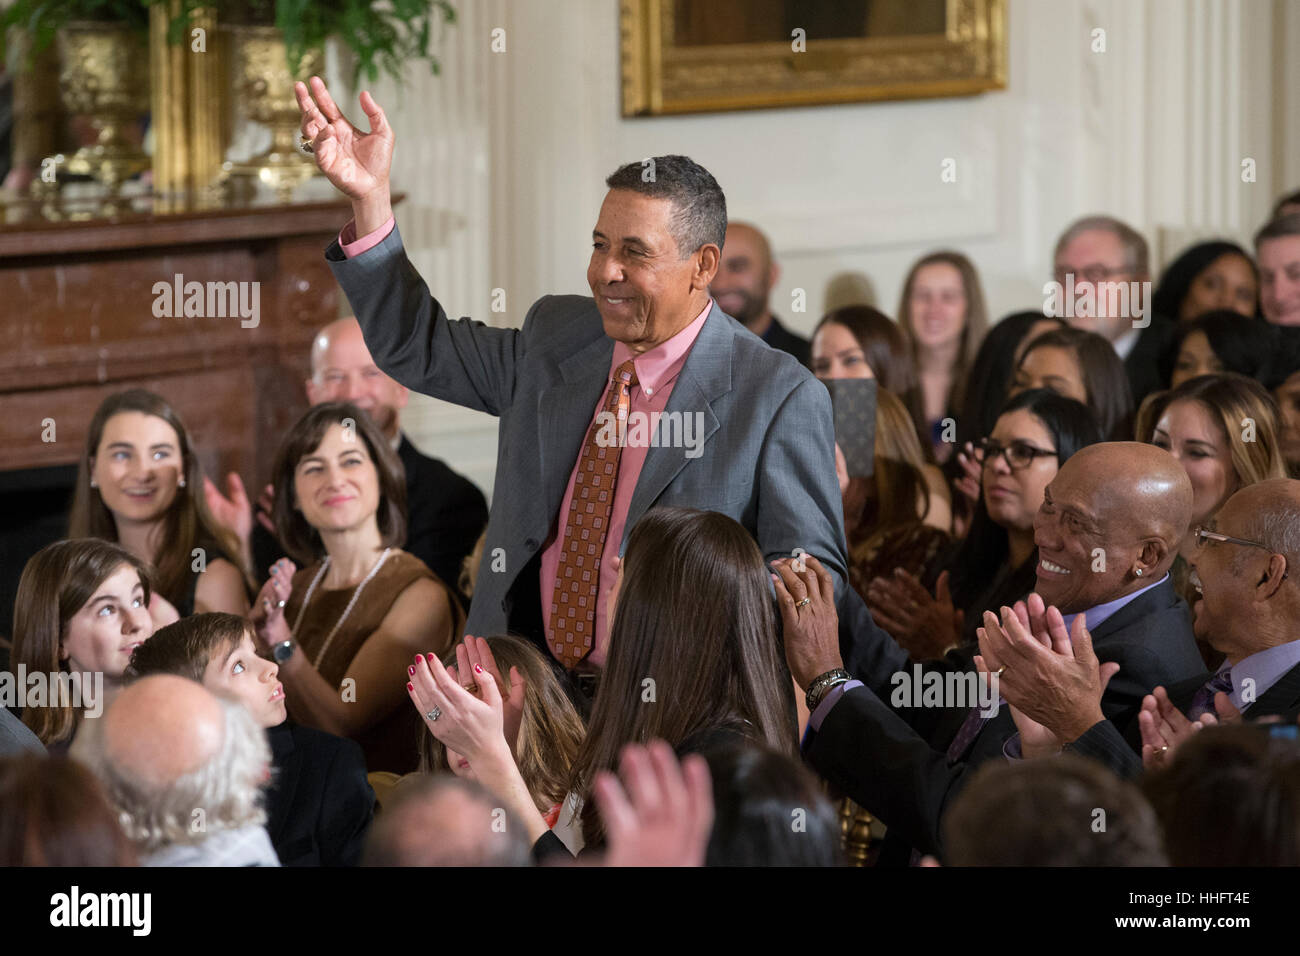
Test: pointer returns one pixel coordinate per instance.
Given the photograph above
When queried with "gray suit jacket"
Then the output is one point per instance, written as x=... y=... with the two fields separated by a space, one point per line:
x=768 y=457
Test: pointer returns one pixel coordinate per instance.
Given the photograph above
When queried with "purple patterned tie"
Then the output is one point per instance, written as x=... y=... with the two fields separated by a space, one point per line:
x=1203 y=699
x=966 y=734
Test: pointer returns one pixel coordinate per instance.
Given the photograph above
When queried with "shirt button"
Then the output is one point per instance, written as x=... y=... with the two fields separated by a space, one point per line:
x=649 y=391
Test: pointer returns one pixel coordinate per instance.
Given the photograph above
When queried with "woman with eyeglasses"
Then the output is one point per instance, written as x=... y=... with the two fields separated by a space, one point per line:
x=1035 y=433
x=1224 y=431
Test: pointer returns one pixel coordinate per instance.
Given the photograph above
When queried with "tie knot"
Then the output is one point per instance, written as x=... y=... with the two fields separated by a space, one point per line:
x=1222 y=680
x=625 y=374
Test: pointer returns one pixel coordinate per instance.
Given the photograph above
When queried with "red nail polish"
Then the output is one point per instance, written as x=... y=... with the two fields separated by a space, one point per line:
x=419 y=658
x=477 y=669
x=429 y=658
x=410 y=687
x=411 y=670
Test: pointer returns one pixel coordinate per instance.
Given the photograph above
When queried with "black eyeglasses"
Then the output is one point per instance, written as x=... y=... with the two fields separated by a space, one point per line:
x=1019 y=454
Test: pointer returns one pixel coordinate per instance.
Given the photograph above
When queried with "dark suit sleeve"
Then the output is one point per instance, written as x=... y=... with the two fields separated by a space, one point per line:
x=799 y=503
x=413 y=340
x=347 y=807
x=1104 y=743
x=874 y=757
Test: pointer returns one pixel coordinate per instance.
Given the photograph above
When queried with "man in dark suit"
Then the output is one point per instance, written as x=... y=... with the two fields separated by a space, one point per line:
x=643 y=394
x=445 y=512
x=1107 y=534
x=743 y=287
x=1249 y=611
x=1097 y=254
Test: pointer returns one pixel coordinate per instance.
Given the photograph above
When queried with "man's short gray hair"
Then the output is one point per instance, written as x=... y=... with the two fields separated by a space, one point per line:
x=1136 y=257
x=1276 y=525
x=223 y=794
x=422 y=826
x=699 y=207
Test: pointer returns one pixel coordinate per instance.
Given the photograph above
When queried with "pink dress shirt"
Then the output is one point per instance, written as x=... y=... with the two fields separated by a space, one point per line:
x=656 y=372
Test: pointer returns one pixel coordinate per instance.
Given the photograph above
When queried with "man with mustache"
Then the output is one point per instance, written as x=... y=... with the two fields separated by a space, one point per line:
x=744 y=283
x=1107 y=534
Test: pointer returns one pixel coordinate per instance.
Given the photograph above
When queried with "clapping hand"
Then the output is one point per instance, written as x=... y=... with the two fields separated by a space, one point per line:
x=356 y=163
x=663 y=813
x=232 y=510
x=474 y=655
x=1165 y=728
x=926 y=627
x=267 y=613
x=469 y=722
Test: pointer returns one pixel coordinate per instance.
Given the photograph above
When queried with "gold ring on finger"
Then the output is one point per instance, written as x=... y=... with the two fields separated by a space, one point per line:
x=306 y=145
x=802 y=603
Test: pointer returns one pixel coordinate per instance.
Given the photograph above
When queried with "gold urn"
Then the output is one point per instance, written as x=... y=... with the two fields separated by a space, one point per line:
x=263 y=83
x=104 y=76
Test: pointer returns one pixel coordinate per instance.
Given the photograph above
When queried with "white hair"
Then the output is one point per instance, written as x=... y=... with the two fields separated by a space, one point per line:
x=225 y=793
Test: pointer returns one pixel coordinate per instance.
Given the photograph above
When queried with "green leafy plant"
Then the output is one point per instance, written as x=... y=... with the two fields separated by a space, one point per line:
x=382 y=34
x=42 y=19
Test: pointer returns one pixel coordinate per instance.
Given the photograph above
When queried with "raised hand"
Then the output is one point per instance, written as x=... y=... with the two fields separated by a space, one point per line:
x=475 y=652
x=971 y=473
x=356 y=163
x=468 y=722
x=231 y=510
x=926 y=627
x=267 y=613
x=1165 y=728
x=663 y=815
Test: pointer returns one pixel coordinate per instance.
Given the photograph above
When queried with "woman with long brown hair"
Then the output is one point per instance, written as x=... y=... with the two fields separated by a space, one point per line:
x=140 y=484
x=81 y=608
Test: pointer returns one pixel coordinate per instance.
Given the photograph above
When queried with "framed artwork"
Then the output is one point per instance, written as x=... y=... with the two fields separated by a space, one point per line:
x=699 y=56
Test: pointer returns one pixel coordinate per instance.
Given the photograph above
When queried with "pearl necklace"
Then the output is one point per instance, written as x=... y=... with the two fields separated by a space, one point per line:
x=346 y=611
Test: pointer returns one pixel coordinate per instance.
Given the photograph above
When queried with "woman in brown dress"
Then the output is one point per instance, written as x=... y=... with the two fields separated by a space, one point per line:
x=346 y=627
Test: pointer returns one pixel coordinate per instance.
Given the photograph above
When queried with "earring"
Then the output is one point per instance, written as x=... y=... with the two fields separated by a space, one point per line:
x=181 y=483
x=92 y=483
x=1138 y=572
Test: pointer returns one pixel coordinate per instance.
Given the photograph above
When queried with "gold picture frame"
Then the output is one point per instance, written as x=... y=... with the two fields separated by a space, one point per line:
x=666 y=69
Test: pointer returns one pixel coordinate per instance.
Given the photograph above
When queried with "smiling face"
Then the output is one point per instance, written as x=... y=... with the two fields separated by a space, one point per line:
x=1050 y=367
x=138 y=466
x=1279 y=279
x=645 y=291
x=336 y=487
x=1226 y=283
x=837 y=354
x=238 y=672
x=937 y=304
x=103 y=633
x=745 y=276
x=1073 y=523
x=343 y=371
x=1195 y=357
x=1190 y=434
x=1013 y=497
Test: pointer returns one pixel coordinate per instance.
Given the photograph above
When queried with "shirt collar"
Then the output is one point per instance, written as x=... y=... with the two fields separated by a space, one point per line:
x=1094 y=617
x=657 y=367
x=1124 y=344
x=1263 y=669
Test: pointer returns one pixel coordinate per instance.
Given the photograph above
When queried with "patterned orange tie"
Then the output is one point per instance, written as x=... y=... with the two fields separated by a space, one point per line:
x=577 y=578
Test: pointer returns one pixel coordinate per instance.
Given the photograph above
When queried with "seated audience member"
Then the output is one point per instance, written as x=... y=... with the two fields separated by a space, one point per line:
x=53 y=813
x=758 y=796
x=1208 y=277
x=185 y=769
x=1248 y=610
x=743 y=286
x=693 y=657
x=1230 y=797
x=1082 y=366
x=445 y=511
x=344 y=628
x=1281 y=377
x=987 y=386
x=81 y=608
x=1221 y=342
x=857 y=341
x=1095 y=257
x=445 y=821
x=903 y=762
x=1277 y=249
x=999 y=819
x=1223 y=429
x=889 y=518
x=996 y=563
x=140 y=485
x=319 y=803
x=544 y=730
x=943 y=315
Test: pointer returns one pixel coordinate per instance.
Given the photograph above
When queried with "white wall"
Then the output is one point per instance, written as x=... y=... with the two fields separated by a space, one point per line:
x=504 y=157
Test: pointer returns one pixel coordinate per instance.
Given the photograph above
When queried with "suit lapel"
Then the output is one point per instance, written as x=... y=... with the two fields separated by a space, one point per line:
x=1162 y=595
x=288 y=765
x=704 y=377
x=565 y=409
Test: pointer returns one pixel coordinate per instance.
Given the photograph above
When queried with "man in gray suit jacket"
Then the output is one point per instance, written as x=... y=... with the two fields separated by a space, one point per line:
x=756 y=440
